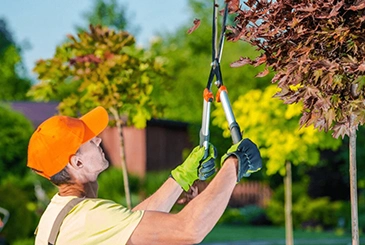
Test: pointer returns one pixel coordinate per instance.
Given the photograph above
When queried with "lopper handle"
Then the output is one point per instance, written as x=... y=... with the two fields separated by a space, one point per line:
x=235 y=132
x=204 y=131
x=233 y=125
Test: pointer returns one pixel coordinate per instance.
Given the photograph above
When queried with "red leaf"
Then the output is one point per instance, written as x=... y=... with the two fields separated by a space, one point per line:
x=335 y=10
x=108 y=55
x=309 y=9
x=359 y=5
x=196 y=23
x=233 y=5
x=305 y=118
x=263 y=73
x=340 y=129
x=260 y=60
x=361 y=67
x=71 y=37
x=241 y=62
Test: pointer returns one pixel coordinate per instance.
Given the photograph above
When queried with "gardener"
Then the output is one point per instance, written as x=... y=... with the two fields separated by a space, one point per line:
x=67 y=151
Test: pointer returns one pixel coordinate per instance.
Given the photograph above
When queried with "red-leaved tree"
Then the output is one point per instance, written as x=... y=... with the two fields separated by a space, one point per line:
x=317 y=51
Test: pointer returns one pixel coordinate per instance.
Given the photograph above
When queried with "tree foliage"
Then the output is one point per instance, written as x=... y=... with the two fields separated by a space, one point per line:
x=102 y=67
x=18 y=199
x=188 y=58
x=316 y=46
x=14 y=85
x=15 y=133
x=274 y=127
x=111 y=14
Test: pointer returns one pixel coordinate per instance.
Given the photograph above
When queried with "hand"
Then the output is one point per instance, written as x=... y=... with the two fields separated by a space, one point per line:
x=195 y=167
x=248 y=155
x=186 y=197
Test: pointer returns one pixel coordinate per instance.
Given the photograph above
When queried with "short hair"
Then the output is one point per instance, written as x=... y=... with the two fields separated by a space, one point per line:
x=62 y=177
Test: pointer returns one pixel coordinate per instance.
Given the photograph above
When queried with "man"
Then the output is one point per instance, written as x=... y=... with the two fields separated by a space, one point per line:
x=67 y=151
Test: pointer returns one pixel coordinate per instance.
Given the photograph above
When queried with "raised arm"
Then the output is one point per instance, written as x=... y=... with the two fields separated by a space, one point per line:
x=196 y=220
x=199 y=216
x=183 y=177
x=163 y=199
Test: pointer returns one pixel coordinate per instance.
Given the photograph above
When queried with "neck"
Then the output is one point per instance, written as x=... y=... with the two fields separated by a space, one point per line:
x=89 y=189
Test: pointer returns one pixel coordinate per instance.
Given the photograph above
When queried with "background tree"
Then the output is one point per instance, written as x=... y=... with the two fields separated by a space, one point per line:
x=110 y=13
x=15 y=133
x=318 y=47
x=188 y=59
x=13 y=82
x=17 y=196
x=274 y=127
x=103 y=67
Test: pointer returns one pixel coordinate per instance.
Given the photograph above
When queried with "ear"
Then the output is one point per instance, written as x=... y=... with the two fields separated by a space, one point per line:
x=76 y=162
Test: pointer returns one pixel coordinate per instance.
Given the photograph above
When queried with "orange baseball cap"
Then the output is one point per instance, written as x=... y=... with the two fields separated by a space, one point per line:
x=59 y=137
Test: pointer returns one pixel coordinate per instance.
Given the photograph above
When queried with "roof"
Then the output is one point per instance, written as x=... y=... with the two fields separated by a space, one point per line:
x=36 y=112
x=166 y=123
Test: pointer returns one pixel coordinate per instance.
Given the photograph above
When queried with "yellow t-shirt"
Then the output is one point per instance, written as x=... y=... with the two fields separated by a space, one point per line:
x=92 y=221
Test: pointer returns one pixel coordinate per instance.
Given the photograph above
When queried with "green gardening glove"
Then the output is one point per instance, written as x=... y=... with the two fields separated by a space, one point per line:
x=195 y=167
x=248 y=155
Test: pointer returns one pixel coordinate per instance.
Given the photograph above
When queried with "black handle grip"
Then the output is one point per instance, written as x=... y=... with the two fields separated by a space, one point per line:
x=235 y=132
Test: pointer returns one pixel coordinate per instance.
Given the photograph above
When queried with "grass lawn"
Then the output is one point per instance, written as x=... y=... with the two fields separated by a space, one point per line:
x=225 y=233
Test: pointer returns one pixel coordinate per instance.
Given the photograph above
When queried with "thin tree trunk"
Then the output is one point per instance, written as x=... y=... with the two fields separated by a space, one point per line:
x=288 y=205
x=353 y=185
x=122 y=158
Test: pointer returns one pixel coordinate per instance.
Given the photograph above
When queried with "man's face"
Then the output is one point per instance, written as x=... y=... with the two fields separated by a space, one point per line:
x=92 y=156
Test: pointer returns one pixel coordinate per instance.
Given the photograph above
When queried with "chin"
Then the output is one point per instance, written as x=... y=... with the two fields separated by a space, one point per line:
x=106 y=164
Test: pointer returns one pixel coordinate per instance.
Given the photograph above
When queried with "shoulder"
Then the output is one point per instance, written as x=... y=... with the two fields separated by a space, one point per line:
x=108 y=210
x=99 y=221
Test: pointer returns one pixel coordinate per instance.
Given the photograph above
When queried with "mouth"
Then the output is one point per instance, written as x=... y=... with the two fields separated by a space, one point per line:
x=102 y=153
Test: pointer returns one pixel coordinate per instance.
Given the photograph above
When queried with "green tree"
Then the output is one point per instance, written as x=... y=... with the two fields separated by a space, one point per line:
x=103 y=67
x=110 y=13
x=274 y=127
x=188 y=58
x=18 y=198
x=15 y=133
x=318 y=46
x=14 y=85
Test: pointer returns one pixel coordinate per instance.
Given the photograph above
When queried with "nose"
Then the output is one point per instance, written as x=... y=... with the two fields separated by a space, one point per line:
x=97 y=141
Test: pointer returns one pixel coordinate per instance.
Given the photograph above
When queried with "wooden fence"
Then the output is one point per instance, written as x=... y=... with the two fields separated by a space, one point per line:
x=246 y=193
x=250 y=193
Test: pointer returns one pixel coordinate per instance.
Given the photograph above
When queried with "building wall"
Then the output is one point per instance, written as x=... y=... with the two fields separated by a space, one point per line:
x=159 y=146
x=134 y=148
x=166 y=143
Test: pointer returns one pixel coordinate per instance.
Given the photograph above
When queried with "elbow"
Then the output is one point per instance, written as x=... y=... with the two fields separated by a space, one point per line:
x=196 y=237
x=195 y=231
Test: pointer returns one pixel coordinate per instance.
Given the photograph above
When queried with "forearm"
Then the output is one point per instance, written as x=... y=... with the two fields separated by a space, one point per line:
x=163 y=199
x=194 y=222
x=205 y=210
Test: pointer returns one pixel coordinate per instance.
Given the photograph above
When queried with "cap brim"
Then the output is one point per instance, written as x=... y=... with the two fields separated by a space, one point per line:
x=95 y=122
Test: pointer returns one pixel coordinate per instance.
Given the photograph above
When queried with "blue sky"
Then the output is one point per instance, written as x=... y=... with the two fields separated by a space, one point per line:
x=44 y=24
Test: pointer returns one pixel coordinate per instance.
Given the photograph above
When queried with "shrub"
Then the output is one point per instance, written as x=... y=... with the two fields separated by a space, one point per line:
x=345 y=213
x=153 y=181
x=254 y=215
x=17 y=196
x=111 y=185
x=15 y=133
x=307 y=212
x=29 y=241
x=248 y=215
x=321 y=212
x=232 y=216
